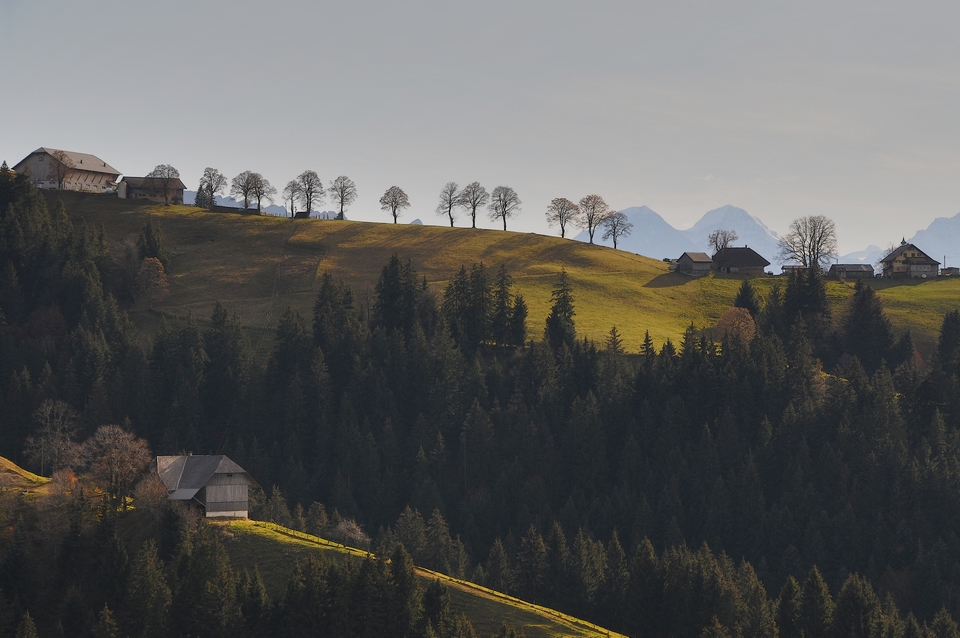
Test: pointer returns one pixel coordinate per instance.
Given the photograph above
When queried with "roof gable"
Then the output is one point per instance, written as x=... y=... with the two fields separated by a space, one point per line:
x=740 y=257
x=193 y=472
x=153 y=182
x=924 y=258
x=79 y=161
x=698 y=258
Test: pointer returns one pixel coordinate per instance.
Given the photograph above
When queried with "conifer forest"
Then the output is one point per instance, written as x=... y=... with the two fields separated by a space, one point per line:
x=797 y=475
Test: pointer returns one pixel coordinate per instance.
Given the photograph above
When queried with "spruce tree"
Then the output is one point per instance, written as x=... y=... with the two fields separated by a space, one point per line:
x=747 y=299
x=816 y=607
x=560 y=330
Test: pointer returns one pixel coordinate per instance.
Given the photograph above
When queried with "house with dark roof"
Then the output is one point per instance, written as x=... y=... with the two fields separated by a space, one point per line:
x=68 y=170
x=844 y=272
x=152 y=188
x=213 y=482
x=906 y=260
x=742 y=261
x=694 y=264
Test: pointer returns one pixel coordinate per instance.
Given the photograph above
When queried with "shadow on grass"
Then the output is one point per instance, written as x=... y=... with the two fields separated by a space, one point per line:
x=669 y=280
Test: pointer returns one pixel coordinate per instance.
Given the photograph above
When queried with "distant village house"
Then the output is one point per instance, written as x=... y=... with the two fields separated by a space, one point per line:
x=906 y=260
x=694 y=264
x=212 y=482
x=742 y=261
x=843 y=272
x=67 y=170
x=152 y=188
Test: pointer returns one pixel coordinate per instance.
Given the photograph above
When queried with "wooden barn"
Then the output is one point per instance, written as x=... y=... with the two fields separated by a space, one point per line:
x=742 y=261
x=69 y=171
x=214 y=482
x=844 y=272
x=694 y=264
x=152 y=188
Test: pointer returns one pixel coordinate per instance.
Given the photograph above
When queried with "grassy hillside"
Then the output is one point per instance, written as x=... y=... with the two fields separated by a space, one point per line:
x=12 y=476
x=259 y=265
x=274 y=550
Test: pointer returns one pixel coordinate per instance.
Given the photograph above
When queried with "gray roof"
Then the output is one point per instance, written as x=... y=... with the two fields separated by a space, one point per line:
x=81 y=161
x=153 y=182
x=702 y=258
x=187 y=475
x=853 y=267
x=740 y=257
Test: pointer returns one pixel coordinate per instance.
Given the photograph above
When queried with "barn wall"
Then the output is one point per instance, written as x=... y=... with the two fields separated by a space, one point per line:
x=227 y=495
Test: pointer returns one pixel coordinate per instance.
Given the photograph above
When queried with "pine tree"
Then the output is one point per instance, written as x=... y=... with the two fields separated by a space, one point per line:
x=816 y=608
x=532 y=566
x=866 y=331
x=560 y=330
x=518 y=322
x=405 y=595
x=747 y=299
x=502 y=308
x=106 y=626
x=497 y=569
x=150 y=244
x=27 y=628
x=789 y=609
x=148 y=597
x=858 y=609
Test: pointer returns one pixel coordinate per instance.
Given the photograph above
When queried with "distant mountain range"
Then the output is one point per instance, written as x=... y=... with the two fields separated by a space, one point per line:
x=653 y=237
x=189 y=197
x=940 y=240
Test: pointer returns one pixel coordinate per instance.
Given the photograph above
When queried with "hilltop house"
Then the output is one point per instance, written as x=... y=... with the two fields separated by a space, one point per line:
x=151 y=188
x=694 y=264
x=214 y=482
x=67 y=170
x=906 y=260
x=743 y=261
x=850 y=271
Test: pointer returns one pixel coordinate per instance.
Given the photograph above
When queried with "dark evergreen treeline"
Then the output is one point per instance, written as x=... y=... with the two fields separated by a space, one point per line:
x=68 y=569
x=818 y=442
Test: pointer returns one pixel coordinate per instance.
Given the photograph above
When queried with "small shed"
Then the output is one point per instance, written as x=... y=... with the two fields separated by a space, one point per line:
x=850 y=271
x=694 y=264
x=743 y=261
x=214 y=482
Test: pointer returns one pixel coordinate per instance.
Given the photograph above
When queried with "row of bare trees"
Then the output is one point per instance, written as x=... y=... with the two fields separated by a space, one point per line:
x=306 y=190
x=591 y=214
x=502 y=204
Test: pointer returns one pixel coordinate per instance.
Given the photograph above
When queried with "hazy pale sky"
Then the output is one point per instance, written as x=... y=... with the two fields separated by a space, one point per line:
x=847 y=109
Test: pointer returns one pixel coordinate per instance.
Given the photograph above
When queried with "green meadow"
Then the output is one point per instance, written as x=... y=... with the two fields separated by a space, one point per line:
x=259 y=265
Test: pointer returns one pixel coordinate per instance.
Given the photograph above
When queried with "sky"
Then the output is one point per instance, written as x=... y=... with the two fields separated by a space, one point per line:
x=846 y=109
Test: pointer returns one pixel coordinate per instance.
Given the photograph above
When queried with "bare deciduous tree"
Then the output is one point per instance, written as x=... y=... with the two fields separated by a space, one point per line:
x=165 y=174
x=343 y=192
x=53 y=446
x=472 y=197
x=812 y=241
x=60 y=167
x=242 y=186
x=291 y=193
x=616 y=225
x=212 y=182
x=261 y=189
x=504 y=203
x=449 y=199
x=562 y=211
x=393 y=200
x=720 y=239
x=310 y=189
x=593 y=210
x=115 y=459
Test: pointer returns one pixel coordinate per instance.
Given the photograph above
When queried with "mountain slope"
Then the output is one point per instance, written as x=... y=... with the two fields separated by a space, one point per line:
x=651 y=236
x=750 y=231
x=940 y=240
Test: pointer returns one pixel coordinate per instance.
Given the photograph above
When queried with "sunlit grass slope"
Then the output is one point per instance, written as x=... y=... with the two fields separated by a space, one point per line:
x=14 y=476
x=259 y=265
x=274 y=550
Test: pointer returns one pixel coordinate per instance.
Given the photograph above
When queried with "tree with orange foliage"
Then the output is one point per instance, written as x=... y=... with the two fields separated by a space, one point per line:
x=152 y=285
